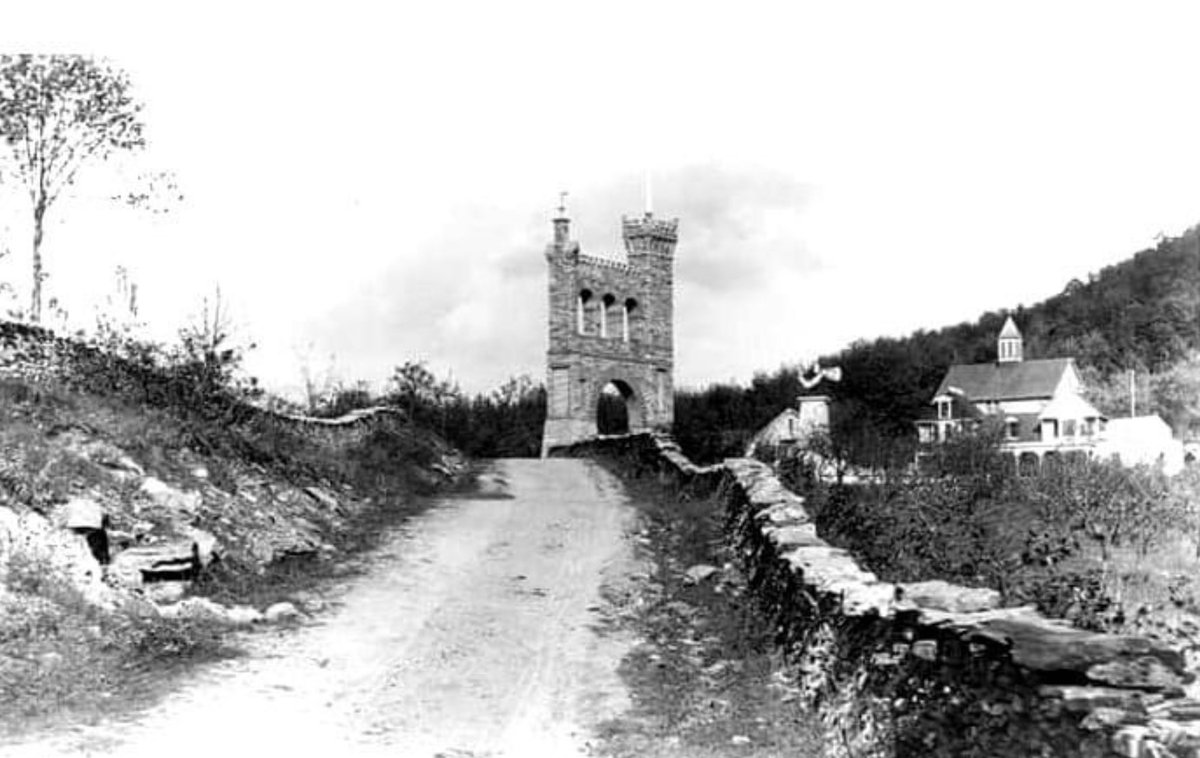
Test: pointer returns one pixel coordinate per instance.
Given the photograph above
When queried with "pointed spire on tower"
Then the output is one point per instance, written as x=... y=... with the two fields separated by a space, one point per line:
x=648 y=190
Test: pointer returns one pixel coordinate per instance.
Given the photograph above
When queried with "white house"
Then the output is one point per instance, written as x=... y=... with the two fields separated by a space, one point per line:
x=1042 y=410
x=793 y=425
x=1037 y=401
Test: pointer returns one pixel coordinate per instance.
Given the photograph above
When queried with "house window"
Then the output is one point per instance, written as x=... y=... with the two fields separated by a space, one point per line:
x=791 y=427
x=943 y=409
x=1068 y=427
x=1012 y=428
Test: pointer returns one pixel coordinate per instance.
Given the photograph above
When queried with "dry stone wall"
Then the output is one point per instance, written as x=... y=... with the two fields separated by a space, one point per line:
x=929 y=668
x=30 y=353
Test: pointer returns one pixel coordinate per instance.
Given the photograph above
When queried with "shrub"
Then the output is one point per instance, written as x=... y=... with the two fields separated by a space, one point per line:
x=967 y=516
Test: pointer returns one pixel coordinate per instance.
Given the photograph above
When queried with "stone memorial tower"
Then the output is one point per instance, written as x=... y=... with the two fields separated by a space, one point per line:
x=610 y=323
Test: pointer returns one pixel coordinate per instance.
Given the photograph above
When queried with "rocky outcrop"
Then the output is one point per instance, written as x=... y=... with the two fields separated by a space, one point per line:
x=929 y=668
x=162 y=561
x=35 y=553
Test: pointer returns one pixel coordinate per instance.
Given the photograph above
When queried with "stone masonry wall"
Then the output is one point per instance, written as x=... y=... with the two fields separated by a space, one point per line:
x=929 y=668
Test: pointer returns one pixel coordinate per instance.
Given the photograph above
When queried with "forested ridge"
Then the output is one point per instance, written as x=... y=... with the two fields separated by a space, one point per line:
x=1140 y=315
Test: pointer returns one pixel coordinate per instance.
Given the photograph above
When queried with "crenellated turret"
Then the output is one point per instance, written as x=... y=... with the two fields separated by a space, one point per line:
x=649 y=236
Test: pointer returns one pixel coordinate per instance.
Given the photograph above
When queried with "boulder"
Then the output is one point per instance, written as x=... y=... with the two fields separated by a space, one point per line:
x=281 y=612
x=164 y=593
x=298 y=539
x=83 y=513
x=951 y=598
x=173 y=559
x=196 y=608
x=166 y=496
x=1106 y=718
x=243 y=615
x=1083 y=699
x=1132 y=741
x=113 y=458
x=206 y=545
x=799 y=535
x=700 y=572
x=30 y=541
x=309 y=602
x=1143 y=672
x=1042 y=645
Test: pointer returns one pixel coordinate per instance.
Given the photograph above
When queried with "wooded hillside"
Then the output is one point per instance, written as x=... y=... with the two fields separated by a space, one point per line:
x=1140 y=315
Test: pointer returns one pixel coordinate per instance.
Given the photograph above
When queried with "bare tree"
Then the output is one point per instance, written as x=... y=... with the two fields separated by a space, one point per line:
x=57 y=114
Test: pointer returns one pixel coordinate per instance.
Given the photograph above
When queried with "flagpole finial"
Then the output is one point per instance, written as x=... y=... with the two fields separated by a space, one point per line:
x=648 y=190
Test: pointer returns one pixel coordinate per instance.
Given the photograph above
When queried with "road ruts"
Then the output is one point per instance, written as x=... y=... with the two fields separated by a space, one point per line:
x=472 y=633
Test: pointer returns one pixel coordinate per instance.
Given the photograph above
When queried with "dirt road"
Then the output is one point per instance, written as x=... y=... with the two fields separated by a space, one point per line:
x=471 y=634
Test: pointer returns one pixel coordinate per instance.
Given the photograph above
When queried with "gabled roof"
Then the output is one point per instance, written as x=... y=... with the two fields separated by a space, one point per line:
x=1068 y=406
x=1010 y=330
x=961 y=407
x=1006 y=381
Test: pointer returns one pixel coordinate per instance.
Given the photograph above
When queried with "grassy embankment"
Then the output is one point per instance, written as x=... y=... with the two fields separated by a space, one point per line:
x=63 y=658
x=708 y=680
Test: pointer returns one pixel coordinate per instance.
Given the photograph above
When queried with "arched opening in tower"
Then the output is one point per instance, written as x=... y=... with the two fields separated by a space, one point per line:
x=612 y=408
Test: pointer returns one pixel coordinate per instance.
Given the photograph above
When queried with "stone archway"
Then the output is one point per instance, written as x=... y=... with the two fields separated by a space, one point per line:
x=617 y=409
x=633 y=402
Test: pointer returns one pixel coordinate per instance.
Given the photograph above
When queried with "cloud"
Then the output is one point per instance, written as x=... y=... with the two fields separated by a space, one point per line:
x=471 y=297
x=738 y=224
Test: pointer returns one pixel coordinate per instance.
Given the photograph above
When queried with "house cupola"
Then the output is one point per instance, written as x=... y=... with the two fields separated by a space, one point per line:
x=1010 y=345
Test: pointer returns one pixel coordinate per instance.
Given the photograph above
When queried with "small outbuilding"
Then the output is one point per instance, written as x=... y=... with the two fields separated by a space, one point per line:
x=1141 y=440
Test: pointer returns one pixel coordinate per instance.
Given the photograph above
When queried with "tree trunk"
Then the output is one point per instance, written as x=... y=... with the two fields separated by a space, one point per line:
x=35 y=304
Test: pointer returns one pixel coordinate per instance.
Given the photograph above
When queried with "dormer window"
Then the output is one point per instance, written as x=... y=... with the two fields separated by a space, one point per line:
x=943 y=406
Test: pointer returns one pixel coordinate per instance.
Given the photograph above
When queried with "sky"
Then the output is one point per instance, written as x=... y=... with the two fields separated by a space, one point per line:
x=373 y=183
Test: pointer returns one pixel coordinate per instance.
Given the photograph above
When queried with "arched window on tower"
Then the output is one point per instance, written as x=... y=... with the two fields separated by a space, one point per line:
x=606 y=302
x=581 y=311
x=626 y=317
